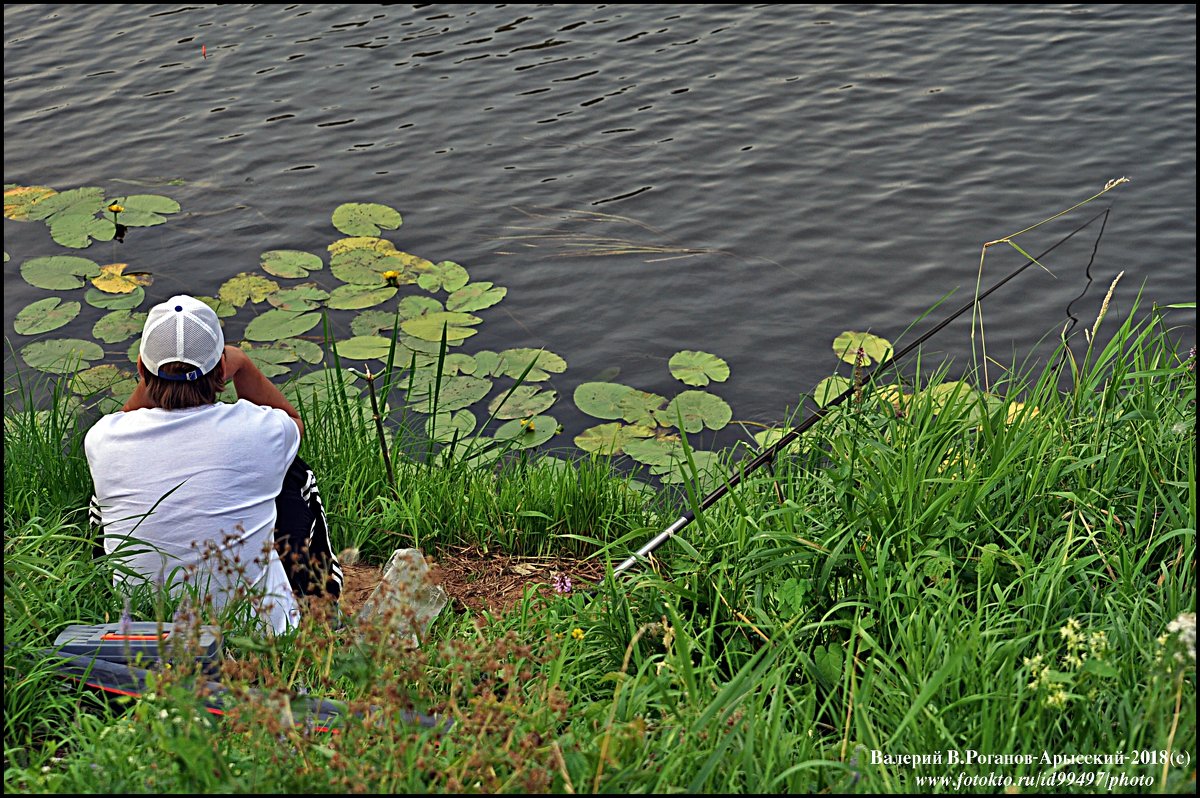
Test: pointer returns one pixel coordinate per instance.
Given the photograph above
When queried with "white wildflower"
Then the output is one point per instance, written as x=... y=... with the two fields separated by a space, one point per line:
x=1184 y=629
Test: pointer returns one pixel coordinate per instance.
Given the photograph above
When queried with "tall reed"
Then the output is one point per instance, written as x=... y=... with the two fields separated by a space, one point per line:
x=1007 y=573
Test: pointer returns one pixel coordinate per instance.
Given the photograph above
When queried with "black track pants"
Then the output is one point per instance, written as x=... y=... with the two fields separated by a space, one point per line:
x=302 y=535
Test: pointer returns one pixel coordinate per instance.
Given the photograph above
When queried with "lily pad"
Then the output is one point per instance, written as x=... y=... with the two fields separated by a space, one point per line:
x=453 y=364
x=698 y=368
x=307 y=296
x=639 y=407
x=874 y=348
x=316 y=390
x=107 y=377
x=118 y=325
x=362 y=260
x=445 y=427
x=526 y=433
x=420 y=361
x=430 y=327
x=696 y=410
x=308 y=351
x=513 y=363
x=952 y=394
x=601 y=399
x=77 y=230
x=365 y=218
x=1018 y=413
x=410 y=266
x=616 y=401
x=61 y=355
x=45 y=315
x=415 y=306
x=357 y=297
x=99 y=299
x=19 y=201
x=290 y=263
x=895 y=396
x=708 y=470
x=143 y=210
x=113 y=279
x=246 y=287
x=655 y=451
x=381 y=247
x=455 y=394
x=768 y=438
x=422 y=347
x=458 y=363
x=475 y=296
x=829 y=389
x=59 y=272
x=487 y=362
x=446 y=276
x=364 y=347
x=272 y=361
x=361 y=267
x=222 y=308
x=276 y=324
x=370 y=322
x=523 y=401
x=610 y=439
x=85 y=201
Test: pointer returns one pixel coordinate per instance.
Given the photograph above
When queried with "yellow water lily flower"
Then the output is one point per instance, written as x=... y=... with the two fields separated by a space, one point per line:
x=392 y=277
x=115 y=208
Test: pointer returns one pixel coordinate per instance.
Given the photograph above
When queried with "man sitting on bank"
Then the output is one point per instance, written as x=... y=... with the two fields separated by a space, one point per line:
x=191 y=489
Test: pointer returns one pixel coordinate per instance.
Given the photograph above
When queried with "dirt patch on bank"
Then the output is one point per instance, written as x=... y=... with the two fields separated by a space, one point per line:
x=476 y=580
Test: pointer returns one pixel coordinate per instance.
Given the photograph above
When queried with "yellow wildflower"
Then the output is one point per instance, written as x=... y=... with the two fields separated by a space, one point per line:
x=578 y=634
x=1071 y=631
x=1056 y=699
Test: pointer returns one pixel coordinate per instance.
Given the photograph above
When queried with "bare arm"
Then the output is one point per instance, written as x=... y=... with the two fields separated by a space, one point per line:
x=140 y=398
x=253 y=386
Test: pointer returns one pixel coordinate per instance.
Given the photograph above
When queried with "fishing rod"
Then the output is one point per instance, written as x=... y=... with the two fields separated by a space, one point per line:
x=769 y=454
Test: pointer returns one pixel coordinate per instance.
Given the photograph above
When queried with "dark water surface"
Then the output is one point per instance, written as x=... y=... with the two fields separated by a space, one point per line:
x=797 y=170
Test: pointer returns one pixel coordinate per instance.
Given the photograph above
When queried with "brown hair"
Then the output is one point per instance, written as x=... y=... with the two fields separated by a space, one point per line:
x=178 y=395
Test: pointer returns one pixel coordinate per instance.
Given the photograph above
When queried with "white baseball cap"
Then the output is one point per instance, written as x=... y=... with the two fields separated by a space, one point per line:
x=182 y=330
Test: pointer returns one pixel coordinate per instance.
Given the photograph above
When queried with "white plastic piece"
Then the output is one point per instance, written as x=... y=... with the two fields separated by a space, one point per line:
x=406 y=595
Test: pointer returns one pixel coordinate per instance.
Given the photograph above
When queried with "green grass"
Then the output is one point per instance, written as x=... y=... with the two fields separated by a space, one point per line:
x=931 y=583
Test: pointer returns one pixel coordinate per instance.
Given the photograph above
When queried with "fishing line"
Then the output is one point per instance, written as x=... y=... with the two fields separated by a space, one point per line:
x=769 y=454
x=1087 y=273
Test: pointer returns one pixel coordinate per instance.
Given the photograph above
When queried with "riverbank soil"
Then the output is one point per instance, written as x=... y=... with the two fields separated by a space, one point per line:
x=476 y=580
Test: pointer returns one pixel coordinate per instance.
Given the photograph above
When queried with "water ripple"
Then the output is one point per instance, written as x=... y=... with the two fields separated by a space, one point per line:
x=825 y=167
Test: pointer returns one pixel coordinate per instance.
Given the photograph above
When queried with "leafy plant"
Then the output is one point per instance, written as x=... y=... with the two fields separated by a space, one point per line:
x=76 y=216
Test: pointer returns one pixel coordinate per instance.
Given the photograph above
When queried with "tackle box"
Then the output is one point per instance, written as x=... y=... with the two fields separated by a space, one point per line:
x=144 y=642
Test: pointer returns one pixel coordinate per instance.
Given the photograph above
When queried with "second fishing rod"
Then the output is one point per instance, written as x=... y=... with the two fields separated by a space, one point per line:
x=769 y=454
